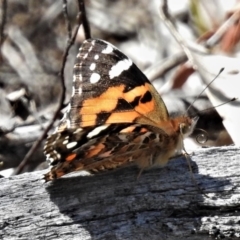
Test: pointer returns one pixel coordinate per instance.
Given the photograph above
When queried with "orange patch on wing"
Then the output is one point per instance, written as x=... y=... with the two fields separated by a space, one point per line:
x=88 y=120
x=143 y=130
x=128 y=129
x=137 y=91
x=145 y=107
x=142 y=108
x=95 y=150
x=121 y=117
x=106 y=102
x=131 y=129
x=69 y=158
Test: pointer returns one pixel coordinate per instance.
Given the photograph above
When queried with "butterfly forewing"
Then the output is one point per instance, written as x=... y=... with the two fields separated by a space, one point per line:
x=109 y=88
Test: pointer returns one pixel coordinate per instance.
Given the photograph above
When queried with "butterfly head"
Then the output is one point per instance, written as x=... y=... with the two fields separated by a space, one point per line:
x=187 y=125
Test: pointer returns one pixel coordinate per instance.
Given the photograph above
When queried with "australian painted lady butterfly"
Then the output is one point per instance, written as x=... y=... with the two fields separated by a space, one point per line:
x=115 y=117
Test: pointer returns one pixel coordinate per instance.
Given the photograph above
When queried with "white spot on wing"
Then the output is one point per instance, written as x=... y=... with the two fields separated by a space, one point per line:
x=95 y=77
x=73 y=91
x=46 y=145
x=65 y=118
x=65 y=142
x=90 y=49
x=85 y=56
x=68 y=108
x=96 y=131
x=96 y=57
x=107 y=50
x=80 y=91
x=71 y=145
x=74 y=78
x=68 y=123
x=77 y=131
x=121 y=66
x=92 y=66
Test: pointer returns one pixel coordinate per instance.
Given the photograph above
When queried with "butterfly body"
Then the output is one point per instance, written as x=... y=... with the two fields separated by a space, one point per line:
x=115 y=117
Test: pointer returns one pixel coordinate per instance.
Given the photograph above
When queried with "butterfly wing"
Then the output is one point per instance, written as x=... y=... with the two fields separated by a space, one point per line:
x=124 y=144
x=109 y=94
x=109 y=88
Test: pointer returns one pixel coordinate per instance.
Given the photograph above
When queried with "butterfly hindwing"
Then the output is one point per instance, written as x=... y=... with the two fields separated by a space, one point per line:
x=94 y=150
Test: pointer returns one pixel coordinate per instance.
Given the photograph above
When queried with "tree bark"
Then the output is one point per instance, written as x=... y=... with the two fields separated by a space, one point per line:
x=162 y=204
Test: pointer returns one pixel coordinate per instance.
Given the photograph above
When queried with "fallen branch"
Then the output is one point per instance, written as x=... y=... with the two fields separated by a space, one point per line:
x=162 y=204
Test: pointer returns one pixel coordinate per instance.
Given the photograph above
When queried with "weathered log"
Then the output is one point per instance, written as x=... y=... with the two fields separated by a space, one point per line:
x=162 y=204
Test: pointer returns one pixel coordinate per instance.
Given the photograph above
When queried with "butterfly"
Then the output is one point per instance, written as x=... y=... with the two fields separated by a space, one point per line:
x=115 y=117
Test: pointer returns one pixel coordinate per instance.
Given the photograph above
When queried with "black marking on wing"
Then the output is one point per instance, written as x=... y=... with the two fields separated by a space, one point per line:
x=147 y=97
x=102 y=117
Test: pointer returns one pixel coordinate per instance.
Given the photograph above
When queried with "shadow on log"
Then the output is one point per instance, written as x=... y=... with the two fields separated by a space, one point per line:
x=162 y=204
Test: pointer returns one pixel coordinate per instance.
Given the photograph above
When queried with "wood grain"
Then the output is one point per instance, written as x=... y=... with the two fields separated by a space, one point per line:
x=162 y=204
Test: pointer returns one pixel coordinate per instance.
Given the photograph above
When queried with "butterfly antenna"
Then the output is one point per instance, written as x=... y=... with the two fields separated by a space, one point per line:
x=207 y=109
x=221 y=70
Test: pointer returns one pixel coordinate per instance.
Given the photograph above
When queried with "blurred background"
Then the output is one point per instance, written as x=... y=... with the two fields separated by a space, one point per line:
x=34 y=37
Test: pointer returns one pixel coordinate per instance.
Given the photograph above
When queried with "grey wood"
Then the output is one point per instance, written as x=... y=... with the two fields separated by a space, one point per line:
x=162 y=204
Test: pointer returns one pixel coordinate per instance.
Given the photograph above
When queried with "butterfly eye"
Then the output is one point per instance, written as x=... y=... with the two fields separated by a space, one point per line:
x=184 y=129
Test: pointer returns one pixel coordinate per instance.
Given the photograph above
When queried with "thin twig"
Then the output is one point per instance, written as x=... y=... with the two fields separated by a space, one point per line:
x=161 y=68
x=65 y=13
x=216 y=37
x=6 y=131
x=84 y=19
x=165 y=16
x=61 y=103
x=3 y=23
